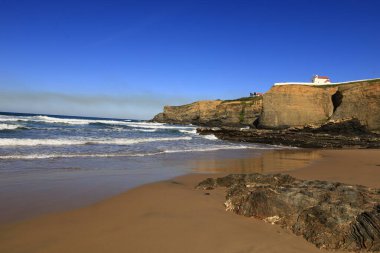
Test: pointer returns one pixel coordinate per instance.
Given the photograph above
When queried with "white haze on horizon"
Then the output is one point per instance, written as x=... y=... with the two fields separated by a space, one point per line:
x=141 y=106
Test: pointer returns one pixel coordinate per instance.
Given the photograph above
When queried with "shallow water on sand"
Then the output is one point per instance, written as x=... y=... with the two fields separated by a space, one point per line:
x=44 y=186
x=51 y=163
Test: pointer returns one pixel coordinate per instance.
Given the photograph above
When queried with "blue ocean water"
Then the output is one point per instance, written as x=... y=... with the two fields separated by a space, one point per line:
x=28 y=136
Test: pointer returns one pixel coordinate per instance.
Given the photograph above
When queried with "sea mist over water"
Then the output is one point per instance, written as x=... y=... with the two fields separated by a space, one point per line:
x=137 y=106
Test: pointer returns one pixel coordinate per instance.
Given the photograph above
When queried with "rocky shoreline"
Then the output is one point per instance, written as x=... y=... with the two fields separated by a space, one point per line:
x=330 y=215
x=318 y=116
x=347 y=134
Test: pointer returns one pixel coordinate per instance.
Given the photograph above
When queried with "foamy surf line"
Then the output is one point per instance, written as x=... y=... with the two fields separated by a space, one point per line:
x=10 y=127
x=221 y=148
x=67 y=142
x=158 y=126
x=52 y=156
x=69 y=121
x=193 y=131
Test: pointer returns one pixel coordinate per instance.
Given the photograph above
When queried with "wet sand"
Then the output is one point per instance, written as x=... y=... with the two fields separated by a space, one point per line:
x=32 y=188
x=172 y=216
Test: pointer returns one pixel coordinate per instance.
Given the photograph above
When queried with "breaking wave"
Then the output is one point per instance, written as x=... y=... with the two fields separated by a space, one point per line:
x=215 y=148
x=110 y=155
x=10 y=127
x=48 y=119
x=51 y=156
x=149 y=125
x=193 y=131
x=72 y=121
x=66 y=142
x=210 y=137
x=71 y=137
x=68 y=121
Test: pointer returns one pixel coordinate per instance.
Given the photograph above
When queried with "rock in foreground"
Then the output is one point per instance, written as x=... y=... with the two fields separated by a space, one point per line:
x=327 y=214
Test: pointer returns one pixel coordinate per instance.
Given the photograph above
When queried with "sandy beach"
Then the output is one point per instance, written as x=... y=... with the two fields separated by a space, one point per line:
x=172 y=216
x=189 y=126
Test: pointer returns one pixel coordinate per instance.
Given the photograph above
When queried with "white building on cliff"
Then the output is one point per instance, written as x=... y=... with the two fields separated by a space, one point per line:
x=315 y=81
x=320 y=80
x=323 y=80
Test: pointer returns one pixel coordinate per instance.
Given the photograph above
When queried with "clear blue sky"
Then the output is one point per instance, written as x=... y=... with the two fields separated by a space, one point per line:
x=127 y=59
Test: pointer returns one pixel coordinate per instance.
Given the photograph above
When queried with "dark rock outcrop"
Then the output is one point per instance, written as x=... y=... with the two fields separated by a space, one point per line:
x=349 y=127
x=327 y=214
x=340 y=134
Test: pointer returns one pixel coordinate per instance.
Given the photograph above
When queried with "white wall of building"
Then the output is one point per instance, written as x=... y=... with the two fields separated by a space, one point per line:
x=318 y=80
x=313 y=84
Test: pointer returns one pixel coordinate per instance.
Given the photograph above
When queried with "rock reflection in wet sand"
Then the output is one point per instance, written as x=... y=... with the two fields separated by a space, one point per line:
x=268 y=162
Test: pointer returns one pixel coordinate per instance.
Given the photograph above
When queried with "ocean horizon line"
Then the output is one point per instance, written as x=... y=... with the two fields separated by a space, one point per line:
x=64 y=115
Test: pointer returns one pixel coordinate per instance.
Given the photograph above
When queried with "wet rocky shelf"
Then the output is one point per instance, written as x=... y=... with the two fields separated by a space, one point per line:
x=346 y=134
x=330 y=215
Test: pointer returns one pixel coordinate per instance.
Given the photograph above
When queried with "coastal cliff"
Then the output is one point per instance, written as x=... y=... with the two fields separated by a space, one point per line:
x=294 y=105
x=239 y=112
x=286 y=106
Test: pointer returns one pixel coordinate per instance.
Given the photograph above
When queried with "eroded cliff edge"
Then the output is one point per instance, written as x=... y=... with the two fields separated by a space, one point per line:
x=239 y=112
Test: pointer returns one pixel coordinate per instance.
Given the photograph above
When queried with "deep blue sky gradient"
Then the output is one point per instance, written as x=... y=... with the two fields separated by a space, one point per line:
x=129 y=58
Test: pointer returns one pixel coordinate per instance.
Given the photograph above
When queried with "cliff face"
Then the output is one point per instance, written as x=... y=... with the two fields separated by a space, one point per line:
x=360 y=101
x=214 y=112
x=298 y=105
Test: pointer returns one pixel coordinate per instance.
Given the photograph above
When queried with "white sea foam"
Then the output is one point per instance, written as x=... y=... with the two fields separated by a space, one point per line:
x=110 y=155
x=59 y=120
x=69 y=121
x=147 y=130
x=212 y=148
x=210 y=137
x=5 y=118
x=82 y=141
x=62 y=155
x=72 y=121
x=135 y=141
x=35 y=142
x=224 y=147
x=193 y=131
x=87 y=140
x=9 y=127
x=149 y=125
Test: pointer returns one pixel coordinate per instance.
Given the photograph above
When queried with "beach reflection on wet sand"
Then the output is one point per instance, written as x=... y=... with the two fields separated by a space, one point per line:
x=276 y=161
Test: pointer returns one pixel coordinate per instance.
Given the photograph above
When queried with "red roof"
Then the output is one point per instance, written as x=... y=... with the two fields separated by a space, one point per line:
x=323 y=77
